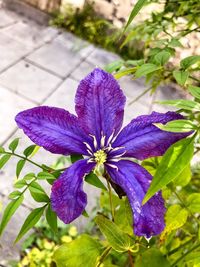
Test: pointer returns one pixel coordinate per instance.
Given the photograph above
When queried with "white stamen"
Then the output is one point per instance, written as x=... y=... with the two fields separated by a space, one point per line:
x=114 y=160
x=108 y=148
x=117 y=148
x=89 y=152
x=112 y=166
x=110 y=138
x=88 y=146
x=103 y=138
x=120 y=155
x=90 y=160
x=94 y=140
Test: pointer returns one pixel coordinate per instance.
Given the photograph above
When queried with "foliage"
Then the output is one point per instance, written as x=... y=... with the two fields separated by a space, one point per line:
x=38 y=249
x=88 y=25
x=162 y=36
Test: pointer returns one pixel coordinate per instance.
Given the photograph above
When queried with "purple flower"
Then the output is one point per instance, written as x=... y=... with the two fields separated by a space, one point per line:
x=95 y=133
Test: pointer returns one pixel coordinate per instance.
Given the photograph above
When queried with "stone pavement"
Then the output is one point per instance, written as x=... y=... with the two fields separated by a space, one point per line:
x=42 y=65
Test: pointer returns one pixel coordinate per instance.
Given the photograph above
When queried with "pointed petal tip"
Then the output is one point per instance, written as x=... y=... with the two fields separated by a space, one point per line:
x=142 y=139
x=100 y=104
x=134 y=180
x=54 y=129
x=68 y=199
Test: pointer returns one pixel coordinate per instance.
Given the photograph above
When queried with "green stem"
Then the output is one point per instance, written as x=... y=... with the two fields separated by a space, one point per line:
x=184 y=255
x=110 y=199
x=32 y=162
x=194 y=78
x=103 y=256
x=139 y=96
x=181 y=246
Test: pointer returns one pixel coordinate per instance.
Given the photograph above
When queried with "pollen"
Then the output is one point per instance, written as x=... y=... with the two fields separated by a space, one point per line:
x=100 y=156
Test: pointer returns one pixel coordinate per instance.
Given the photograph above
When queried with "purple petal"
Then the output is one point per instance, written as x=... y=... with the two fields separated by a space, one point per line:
x=100 y=104
x=135 y=180
x=55 y=129
x=67 y=197
x=141 y=139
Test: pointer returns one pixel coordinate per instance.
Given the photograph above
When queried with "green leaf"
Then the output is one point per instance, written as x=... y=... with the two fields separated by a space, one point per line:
x=146 y=69
x=3 y=160
x=20 y=165
x=180 y=76
x=195 y=91
x=124 y=217
x=13 y=145
x=84 y=251
x=177 y=126
x=115 y=65
x=175 y=43
x=124 y=72
x=175 y=217
x=20 y=183
x=30 y=221
x=2 y=150
x=29 y=150
x=29 y=176
x=184 y=177
x=75 y=158
x=176 y=158
x=193 y=202
x=135 y=62
x=183 y=104
x=14 y=194
x=85 y=214
x=118 y=240
x=9 y=211
x=45 y=176
x=162 y=57
x=152 y=258
x=38 y=193
x=94 y=180
x=192 y=258
x=51 y=218
x=138 y=6
x=189 y=61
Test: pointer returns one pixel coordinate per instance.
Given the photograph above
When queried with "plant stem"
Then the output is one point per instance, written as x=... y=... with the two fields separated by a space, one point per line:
x=139 y=96
x=27 y=159
x=181 y=246
x=130 y=259
x=110 y=199
x=103 y=256
x=184 y=255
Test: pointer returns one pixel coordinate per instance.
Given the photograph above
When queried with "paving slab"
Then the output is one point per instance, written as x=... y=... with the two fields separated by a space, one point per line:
x=75 y=44
x=10 y=51
x=100 y=57
x=61 y=56
x=35 y=37
x=7 y=18
x=82 y=70
x=64 y=96
x=29 y=81
x=11 y=104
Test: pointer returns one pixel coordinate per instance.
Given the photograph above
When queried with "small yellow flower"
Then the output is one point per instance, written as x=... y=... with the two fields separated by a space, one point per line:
x=66 y=239
x=73 y=231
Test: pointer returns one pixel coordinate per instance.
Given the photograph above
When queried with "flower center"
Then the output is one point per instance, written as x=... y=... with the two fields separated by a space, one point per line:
x=100 y=156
